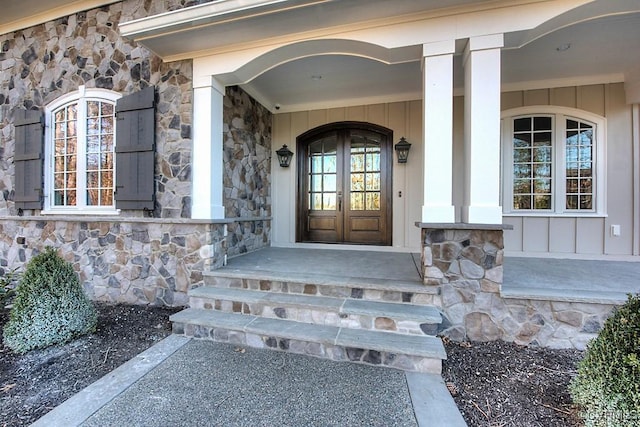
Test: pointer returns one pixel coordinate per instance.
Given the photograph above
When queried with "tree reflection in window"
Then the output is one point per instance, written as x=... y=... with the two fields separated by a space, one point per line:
x=65 y=156
x=100 y=130
x=532 y=162
x=323 y=174
x=90 y=123
x=579 y=165
x=365 y=173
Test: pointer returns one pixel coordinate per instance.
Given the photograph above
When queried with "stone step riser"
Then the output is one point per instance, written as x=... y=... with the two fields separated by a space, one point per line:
x=321 y=350
x=316 y=316
x=426 y=297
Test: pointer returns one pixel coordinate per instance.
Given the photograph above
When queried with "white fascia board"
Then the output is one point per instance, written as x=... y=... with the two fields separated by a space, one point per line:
x=207 y=14
x=432 y=25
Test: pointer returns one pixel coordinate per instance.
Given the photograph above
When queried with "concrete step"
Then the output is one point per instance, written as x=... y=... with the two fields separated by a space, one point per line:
x=563 y=295
x=372 y=289
x=408 y=352
x=343 y=312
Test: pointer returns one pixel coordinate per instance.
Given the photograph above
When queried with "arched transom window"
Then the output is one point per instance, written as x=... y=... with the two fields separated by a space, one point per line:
x=80 y=152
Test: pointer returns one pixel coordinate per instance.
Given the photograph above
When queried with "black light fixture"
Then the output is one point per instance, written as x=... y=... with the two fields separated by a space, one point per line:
x=284 y=156
x=402 y=150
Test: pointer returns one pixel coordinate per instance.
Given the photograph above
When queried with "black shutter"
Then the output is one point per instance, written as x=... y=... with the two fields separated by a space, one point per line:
x=135 y=145
x=28 y=158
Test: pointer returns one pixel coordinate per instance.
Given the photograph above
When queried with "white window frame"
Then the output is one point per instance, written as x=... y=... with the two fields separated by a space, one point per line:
x=81 y=96
x=559 y=116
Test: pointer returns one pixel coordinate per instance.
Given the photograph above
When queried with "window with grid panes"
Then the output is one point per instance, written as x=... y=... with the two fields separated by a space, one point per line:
x=551 y=164
x=579 y=161
x=80 y=173
x=532 y=163
x=322 y=174
x=365 y=174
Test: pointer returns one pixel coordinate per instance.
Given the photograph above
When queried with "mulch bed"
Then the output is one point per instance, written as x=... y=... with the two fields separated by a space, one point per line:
x=494 y=384
x=504 y=384
x=33 y=384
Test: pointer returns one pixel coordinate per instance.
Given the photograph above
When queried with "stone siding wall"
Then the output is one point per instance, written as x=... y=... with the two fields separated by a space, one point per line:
x=139 y=261
x=466 y=265
x=131 y=258
x=42 y=63
x=135 y=261
x=247 y=156
x=247 y=170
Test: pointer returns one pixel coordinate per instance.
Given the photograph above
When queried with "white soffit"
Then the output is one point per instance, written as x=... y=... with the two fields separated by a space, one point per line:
x=222 y=24
x=602 y=35
x=605 y=47
x=336 y=80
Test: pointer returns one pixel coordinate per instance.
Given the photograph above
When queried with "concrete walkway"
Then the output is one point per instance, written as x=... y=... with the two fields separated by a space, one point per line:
x=183 y=382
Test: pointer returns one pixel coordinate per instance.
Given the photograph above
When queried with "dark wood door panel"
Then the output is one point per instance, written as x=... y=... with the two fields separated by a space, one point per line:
x=322 y=223
x=322 y=229
x=344 y=184
x=366 y=230
x=365 y=224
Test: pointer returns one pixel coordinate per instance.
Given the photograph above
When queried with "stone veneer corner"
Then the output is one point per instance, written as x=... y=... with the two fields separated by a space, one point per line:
x=465 y=263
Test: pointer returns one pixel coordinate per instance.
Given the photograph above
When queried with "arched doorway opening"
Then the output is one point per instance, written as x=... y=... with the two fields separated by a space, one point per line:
x=344 y=184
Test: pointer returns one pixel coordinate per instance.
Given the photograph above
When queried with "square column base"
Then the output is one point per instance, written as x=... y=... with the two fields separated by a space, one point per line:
x=465 y=263
x=440 y=214
x=482 y=214
x=206 y=211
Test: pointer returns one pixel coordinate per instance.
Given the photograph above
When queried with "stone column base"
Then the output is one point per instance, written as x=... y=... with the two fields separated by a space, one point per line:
x=465 y=262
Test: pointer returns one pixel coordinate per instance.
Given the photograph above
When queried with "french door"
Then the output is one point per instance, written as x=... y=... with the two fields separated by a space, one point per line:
x=344 y=184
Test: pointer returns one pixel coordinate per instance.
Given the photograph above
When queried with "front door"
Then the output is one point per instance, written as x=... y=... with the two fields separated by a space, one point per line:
x=344 y=184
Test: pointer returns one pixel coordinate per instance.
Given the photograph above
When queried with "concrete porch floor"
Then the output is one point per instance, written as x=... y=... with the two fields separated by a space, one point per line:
x=538 y=278
x=570 y=279
x=330 y=262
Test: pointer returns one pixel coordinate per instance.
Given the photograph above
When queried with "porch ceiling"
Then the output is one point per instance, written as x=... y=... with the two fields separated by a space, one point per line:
x=590 y=42
x=599 y=51
x=603 y=38
x=218 y=24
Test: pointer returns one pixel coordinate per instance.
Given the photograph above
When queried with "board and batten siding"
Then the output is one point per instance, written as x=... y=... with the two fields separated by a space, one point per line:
x=569 y=236
x=404 y=118
x=574 y=235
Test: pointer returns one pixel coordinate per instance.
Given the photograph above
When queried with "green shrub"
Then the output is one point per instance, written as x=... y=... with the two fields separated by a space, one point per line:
x=607 y=386
x=50 y=306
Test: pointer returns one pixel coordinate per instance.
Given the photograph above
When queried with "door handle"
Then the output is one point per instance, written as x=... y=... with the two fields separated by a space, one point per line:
x=339 y=201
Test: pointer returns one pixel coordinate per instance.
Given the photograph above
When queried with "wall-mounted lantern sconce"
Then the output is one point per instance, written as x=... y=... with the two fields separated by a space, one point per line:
x=284 y=156
x=402 y=150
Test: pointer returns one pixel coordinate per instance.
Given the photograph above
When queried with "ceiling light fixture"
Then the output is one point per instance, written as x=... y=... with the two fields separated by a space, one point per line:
x=316 y=77
x=563 y=47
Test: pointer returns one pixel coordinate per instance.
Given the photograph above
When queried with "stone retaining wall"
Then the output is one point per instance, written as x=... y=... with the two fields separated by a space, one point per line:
x=135 y=261
x=42 y=63
x=466 y=263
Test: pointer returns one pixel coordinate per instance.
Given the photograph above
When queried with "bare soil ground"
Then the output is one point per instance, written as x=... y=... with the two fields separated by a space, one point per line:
x=495 y=384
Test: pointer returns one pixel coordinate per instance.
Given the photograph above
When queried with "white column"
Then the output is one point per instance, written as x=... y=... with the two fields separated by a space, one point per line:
x=207 y=154
x=437 y=131
x=482 y=130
